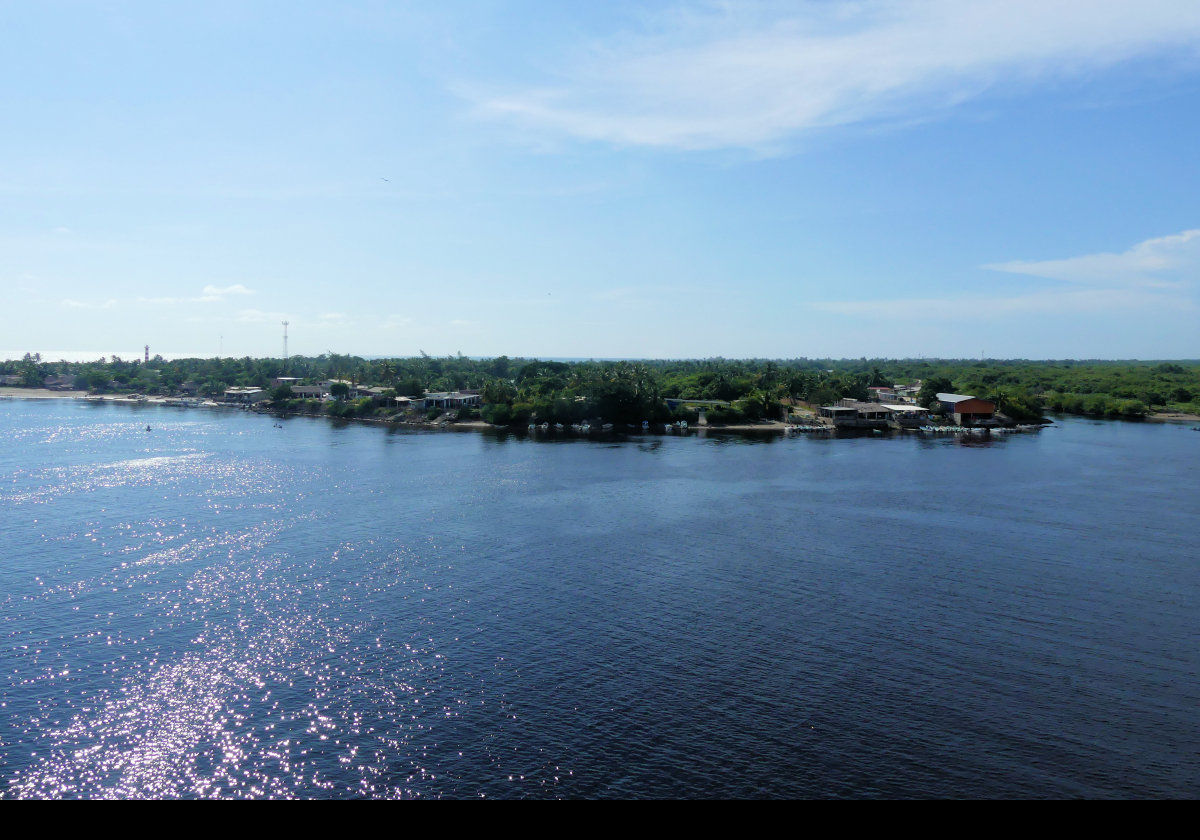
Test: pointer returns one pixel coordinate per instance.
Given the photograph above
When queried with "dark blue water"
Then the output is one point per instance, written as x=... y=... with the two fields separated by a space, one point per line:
x=222 y=608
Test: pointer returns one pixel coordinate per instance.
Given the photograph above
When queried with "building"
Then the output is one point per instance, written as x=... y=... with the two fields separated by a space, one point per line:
x=309 y=392
x=450 y=399
x=904 y=414
x=246 y=396
x=293 y=381
x=368 y=391
x=966 y=409
x=60 y=382
x=882 y=393
x=855 y=413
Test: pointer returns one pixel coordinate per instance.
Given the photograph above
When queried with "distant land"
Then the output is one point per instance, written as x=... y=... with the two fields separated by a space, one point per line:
x=511 y=391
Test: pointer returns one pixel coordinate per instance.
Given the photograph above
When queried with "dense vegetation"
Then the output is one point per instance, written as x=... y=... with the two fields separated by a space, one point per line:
x=516 y=390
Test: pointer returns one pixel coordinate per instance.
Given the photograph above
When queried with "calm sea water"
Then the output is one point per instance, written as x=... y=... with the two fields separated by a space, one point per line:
x=219 y=607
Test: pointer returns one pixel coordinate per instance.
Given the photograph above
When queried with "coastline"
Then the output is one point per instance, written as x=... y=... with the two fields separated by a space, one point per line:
x=1172 y=417
x=9 y=392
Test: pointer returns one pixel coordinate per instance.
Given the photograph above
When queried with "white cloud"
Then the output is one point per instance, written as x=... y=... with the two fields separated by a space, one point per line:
x=1165 y=261
x=83 y=304
x=976 y=308
x=752 y=76
x=209 y=294
x=223 y=291
x=258 y=316
x=1155 y=274
x=332 y=319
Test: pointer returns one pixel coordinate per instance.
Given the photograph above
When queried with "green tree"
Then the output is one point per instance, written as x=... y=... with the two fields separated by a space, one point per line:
x=930 y=388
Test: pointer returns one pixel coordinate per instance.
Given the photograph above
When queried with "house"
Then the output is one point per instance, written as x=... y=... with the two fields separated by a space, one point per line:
x=881 y=393
x=839 y=414
x=905 y=414
x=309 y=392
x=246 y=396
x=188 y=389
x=854 y=413
x=368 y=391
x=60 y=382
x=450 y=399
x=965 y=408
x=291 y=381
x=870 y=411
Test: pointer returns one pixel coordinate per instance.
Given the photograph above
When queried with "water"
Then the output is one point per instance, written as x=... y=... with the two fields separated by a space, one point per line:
x=222 y=608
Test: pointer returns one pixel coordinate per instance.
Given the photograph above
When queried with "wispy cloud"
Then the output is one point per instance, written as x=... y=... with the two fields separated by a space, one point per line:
x=1166 y=261
x=258 y=316
x=209 y=294
x=225 y=291
x=1159 y=273
x=323 y=320
x=981 y=307
x=756 y=75
x=72 y=303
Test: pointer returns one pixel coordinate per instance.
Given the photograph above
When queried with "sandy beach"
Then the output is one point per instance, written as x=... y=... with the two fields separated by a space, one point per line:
x=40 y=394
x=1173 y=417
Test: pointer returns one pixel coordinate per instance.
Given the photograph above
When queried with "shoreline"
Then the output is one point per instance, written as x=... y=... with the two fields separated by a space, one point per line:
x=10 y=392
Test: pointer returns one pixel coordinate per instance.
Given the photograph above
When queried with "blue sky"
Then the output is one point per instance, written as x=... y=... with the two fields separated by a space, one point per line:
x=1012 y=179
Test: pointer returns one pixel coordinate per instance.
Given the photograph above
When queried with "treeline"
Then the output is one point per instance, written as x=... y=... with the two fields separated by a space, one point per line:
x=515 y=390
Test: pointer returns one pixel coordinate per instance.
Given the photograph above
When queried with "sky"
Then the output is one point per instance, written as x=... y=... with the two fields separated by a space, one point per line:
x=832 y=178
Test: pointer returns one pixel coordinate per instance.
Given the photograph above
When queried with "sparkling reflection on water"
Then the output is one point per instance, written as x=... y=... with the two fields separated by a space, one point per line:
x=221 y=608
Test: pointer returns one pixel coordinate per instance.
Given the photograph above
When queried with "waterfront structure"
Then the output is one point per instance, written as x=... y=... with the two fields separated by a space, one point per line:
x=59 y=382
x=246 y=396
x=904 y=415
x=451 y=399
x=857 y=414
x=966 y=409
x=310 y=392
